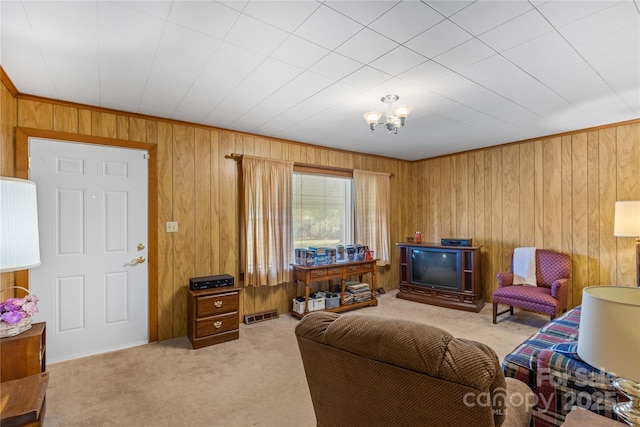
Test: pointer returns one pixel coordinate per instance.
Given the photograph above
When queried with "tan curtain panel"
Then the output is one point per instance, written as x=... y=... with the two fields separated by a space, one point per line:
x=372 y=205
x=267 y=221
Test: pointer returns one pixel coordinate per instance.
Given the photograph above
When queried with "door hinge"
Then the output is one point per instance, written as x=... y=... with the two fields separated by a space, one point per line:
x=146 y=156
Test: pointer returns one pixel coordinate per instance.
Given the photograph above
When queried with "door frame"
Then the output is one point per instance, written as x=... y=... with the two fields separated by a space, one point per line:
x=22 y=171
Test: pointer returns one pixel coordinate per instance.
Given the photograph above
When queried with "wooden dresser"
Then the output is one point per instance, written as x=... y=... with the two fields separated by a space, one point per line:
x=213 y=316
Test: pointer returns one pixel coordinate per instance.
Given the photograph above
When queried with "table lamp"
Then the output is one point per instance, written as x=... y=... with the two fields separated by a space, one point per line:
x=609 y=340
x=19 y=244
x=626 y=223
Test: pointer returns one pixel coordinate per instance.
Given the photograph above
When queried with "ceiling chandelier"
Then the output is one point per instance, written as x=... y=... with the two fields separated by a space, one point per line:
x=395 y=117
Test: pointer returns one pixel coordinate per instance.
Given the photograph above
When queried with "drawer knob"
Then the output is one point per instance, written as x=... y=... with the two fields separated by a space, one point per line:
x=217 y=324
x=218 y=304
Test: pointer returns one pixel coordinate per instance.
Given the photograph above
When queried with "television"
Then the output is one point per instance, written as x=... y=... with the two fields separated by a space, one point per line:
x=435 y=268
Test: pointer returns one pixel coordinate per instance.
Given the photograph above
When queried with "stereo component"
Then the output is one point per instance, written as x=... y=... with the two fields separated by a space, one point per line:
x=456 y=242
x=210 y=282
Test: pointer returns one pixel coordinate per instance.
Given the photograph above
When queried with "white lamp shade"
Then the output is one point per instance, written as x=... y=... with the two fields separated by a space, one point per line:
x=19 y=244
x=372 y=117
x=626 y=222
x=609 y=334
x=403 y=110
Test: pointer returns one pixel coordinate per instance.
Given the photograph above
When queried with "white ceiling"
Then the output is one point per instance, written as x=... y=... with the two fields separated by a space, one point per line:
x=477 y=73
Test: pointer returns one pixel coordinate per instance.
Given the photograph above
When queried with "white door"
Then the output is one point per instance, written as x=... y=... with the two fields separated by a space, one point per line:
x=92 y=216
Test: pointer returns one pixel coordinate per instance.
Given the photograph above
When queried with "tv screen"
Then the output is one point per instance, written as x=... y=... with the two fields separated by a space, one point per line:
x=436 y=268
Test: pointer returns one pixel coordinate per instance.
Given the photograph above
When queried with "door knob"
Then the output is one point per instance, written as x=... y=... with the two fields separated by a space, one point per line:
x=138 y=260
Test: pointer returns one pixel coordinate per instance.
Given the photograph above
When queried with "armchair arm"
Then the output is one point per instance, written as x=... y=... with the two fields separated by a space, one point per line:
x=505 y=279
x=559 y=290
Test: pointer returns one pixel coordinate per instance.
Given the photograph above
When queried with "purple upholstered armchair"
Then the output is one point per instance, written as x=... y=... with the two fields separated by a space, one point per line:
x=549 y=296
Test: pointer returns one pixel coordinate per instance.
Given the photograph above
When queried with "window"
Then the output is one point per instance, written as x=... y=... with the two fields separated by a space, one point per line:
x=322 y=210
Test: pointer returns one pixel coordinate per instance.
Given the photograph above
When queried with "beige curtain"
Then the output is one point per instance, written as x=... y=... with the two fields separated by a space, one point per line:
x=267 y=221
x=372 y=205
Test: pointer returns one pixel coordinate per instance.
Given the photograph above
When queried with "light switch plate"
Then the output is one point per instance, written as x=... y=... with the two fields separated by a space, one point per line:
x=172 y=226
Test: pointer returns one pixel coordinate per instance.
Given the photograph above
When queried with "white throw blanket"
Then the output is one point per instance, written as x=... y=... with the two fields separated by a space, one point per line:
x=524 y=266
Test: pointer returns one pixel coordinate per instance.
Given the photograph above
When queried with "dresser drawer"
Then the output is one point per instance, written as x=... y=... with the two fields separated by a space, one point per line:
x=359 y=269
x=216 y=324
x=212 y=305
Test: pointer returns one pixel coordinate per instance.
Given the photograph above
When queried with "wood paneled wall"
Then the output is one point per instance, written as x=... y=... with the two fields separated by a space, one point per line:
x=556 y=193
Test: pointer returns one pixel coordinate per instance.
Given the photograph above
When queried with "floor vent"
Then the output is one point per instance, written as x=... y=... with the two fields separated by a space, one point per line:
x=260 y=317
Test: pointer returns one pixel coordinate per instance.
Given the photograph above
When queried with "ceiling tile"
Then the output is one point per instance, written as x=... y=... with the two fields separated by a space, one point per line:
x=286 y=15
x=238 y=5
x=303 y=86
x=327 y=28
x=363 y=11
x=299 y=52
x=601 y=23
x=535 y=97
x=170 y=78
x=482 y=16
x=335 y=66
x=575 y=83
x=536 y=55
x=438 y=39
x=425 y=74
x=504 y=109
x=193 y=43
x=467 y=53
x=157 y=9
x=254 y=35
x=365 y=77
x=268 y=77
x=523 y=28
x=366 y=46
x=406 y=20
x=494 y=72
x=561 y=13
x=398 y=61
x=457 y=87
x=133 y=25
x=448 y=7
x=263 y=112
x=208 y=18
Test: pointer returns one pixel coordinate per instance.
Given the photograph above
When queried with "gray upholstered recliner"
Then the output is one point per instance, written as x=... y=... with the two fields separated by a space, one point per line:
x=366 y=370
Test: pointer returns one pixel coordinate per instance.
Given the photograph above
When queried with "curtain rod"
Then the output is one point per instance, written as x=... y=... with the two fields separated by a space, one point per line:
x=238 y=157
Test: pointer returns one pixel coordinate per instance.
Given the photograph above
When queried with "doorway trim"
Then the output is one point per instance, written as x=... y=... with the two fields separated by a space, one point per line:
x=22 y=171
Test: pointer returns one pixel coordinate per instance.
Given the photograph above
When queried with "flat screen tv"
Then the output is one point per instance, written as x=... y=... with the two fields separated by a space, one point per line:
x=435 y=268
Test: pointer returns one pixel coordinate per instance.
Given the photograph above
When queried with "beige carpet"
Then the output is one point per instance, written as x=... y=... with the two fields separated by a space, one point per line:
x=257 y=380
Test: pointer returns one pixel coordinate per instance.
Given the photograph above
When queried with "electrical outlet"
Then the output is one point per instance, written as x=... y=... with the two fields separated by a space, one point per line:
x=172 y=227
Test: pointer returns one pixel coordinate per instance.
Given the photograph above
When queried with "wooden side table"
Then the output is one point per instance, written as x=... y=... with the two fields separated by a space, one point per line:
x=24 y=354
x=22 y=401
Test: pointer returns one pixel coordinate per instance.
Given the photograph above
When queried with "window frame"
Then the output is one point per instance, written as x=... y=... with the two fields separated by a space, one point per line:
x=332 y=172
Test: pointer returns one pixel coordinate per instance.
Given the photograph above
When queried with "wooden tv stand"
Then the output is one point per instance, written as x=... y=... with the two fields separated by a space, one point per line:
x=469 y=295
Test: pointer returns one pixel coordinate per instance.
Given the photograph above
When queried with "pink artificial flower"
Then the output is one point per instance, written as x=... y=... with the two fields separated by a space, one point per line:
x=30 y=308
